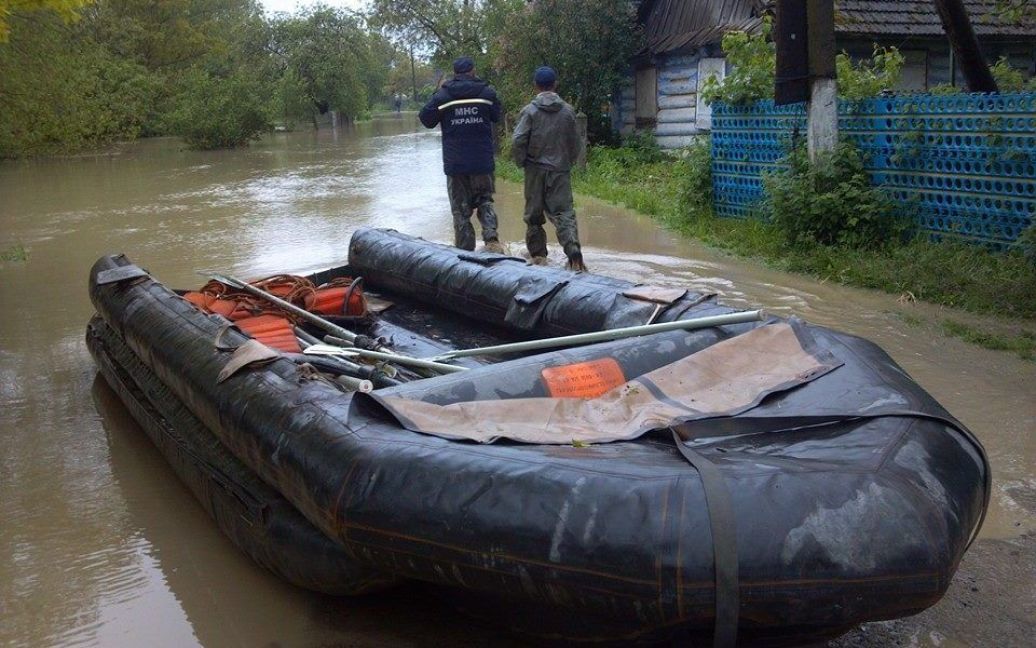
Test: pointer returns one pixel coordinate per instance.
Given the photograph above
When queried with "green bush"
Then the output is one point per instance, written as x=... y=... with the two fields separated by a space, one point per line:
x=868 y=78
x=215 y=112
x=831 y=202
x=641 y=146
x=752 y=60
x=698 y=178
x=1027 y=244
x=1011 y=79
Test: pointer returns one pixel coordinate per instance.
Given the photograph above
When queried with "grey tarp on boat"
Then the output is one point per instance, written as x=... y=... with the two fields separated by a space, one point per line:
x=598 y=404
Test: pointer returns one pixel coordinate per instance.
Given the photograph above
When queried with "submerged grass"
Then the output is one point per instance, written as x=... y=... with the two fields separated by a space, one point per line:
x=1023 y=343
x=946 y=273
x=16 y=252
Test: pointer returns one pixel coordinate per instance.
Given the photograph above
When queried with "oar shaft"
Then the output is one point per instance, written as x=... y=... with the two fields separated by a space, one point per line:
x=389 y=357
x=612 y=334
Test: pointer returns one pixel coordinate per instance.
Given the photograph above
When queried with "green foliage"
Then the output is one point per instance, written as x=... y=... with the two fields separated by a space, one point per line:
x=16 y=252
x=830 y=202
x=1011 y=79
x=641 y=146
x=328 y=63
x=1026 y=244
x=698 y=183
x=60 y=90
x=212 y=70
x=1023 y=343
x=588 y=42
x=221 y=112
x=752 y=60
x=66 y=9
x=868 y=78
x=452 y=28
x=1014 y=11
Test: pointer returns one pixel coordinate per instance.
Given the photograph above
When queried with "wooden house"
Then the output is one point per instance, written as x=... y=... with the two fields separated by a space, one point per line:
x=682 y=49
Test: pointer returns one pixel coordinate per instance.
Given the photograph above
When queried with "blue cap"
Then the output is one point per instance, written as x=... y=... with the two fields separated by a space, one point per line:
x=463 y=65
x=545 y=77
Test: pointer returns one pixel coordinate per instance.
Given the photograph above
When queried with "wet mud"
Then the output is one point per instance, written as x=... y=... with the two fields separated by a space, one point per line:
x=101 y=545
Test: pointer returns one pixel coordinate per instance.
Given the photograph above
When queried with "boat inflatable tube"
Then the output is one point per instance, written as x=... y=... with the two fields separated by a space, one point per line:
x=849 y=498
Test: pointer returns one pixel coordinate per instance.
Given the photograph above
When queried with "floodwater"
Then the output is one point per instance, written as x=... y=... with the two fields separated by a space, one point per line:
x=101 y=545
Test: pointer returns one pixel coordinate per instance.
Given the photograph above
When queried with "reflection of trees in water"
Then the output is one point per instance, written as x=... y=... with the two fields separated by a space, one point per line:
x=229 y=599
x=66 y=544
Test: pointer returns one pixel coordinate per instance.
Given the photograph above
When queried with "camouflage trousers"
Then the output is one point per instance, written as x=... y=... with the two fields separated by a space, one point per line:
x=549 y=192
x=471 y=193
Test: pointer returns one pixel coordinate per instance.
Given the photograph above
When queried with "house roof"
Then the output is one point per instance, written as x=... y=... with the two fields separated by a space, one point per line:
x=671 y=25
x=919 y=18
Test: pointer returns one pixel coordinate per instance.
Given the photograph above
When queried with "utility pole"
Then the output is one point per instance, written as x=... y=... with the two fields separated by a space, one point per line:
x=822 y=126
x=805 y=42
x=957 y=24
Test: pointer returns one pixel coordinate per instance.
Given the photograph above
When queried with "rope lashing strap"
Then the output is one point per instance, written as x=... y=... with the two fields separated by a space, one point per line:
x=724 y=544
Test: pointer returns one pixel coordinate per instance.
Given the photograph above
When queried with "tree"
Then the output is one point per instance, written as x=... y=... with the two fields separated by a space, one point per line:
x=446 y=28
x=61 y=90
x=327 y=62
x=221 y=111
x=588 y=42
x=67 y=9
x=957 y=24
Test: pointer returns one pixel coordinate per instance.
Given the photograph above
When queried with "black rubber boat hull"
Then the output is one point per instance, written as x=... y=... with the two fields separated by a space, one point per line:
x=858 y=520
x=251 y=514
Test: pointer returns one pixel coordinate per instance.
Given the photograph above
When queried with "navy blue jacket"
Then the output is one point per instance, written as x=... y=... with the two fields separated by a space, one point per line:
x=466 y=107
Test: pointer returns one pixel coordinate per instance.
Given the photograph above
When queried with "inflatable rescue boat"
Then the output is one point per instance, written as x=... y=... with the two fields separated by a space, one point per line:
x=761 y=481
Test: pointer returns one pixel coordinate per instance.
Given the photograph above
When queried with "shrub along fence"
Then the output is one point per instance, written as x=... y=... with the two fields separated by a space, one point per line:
x=965 y=164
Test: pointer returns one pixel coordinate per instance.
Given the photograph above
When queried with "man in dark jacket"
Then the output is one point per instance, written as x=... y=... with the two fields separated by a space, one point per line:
x=467 y=107
x=547 y=144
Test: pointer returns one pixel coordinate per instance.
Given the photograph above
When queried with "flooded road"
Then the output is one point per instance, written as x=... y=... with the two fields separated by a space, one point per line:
x=101 y=545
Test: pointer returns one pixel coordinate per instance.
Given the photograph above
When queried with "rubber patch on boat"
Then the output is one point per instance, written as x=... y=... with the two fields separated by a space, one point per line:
x=583 y=379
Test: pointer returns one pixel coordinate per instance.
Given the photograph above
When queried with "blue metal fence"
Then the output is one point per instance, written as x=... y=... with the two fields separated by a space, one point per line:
x=964 y=163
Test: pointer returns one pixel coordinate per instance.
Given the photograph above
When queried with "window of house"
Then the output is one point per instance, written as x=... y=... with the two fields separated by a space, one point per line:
x=707 y=67
x=915 y=71
x=647 y=96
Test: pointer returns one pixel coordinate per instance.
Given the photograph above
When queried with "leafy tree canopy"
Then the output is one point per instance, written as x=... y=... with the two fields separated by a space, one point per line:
x=67 y=9
x=446 y=29
x=588 y=42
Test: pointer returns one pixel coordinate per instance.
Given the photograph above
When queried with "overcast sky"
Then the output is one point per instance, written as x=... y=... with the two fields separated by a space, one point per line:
x=272 y=6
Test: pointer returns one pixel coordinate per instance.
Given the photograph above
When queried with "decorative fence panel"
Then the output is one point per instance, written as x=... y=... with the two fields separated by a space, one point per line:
x=964 y=163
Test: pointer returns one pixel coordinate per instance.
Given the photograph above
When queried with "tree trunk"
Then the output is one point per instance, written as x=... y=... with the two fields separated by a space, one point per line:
x=965 y=46
x=413 y=75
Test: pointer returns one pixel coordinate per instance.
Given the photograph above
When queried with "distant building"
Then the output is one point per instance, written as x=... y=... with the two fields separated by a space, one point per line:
x=683 y=49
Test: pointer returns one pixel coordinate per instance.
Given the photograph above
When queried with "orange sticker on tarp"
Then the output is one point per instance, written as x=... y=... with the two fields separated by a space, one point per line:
x=583 y=379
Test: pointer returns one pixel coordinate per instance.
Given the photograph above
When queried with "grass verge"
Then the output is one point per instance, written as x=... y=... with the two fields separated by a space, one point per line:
x=947 y=273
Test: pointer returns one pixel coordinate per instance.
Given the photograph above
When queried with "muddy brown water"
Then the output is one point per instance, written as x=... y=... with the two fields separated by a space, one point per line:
x=101 y=545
